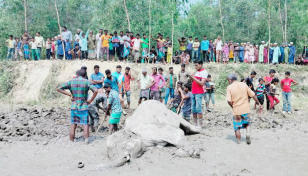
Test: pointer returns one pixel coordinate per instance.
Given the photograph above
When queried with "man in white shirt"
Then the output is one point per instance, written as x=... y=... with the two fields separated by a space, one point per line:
x=98 y=43
x=66 y=34
x=136 y=47
x=40 y=43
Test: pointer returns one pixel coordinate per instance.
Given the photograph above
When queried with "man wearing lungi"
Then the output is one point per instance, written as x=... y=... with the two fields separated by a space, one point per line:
x=145 y=81
x=237 y=98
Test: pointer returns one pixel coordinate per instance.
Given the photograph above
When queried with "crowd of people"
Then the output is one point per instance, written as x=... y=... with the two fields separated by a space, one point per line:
x=135 y=48
x=182 y=93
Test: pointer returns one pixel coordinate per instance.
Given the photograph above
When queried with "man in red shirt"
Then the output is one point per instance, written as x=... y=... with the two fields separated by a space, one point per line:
x=127 y=78
x=268 y=79
x=286 y=92
x=198 y=81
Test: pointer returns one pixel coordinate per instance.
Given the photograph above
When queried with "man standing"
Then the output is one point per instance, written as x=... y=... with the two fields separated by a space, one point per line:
x=292 y=53
x=162 y=90
x=66 y=34
x=268 y=79
x=79 y=88
x=280 y=60
x=160 y=47
x=154 y=91
x=77 y=36
x=286 y=54
x=189 y=46
x=276 y=53
x=120 y=78
x=198 y=81
x=126 y=49
x=94 y=107
x=39 y=40
x=98 y=43
x=127 y=78
x=121 y=46
x=136 y=47
x=97 y=78
x=237 y=98
x=170 y=85
x=10 y=43
x=261 y=52
x=91 y=45
x=184 y=76
x=116 y=45
x=205 y=49
x=182 y=42
x=115 y=107
x=145 y=47
x=105 y=45
x=145 y=82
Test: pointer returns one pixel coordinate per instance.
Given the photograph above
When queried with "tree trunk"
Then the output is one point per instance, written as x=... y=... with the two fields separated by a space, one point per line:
x=283 y=39
x=60 y=28
x=150 y=31
x=222 y=25
x=286 y=20
x=25 y=11
x=269 y=29
x=171 y=38
x=127 y=16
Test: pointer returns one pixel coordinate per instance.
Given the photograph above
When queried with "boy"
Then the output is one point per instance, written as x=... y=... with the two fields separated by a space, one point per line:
x=186 y=100
x=34 y=51
x=260 y=91
x=196 y=45
x=48 y=48
x=151 y=57
x=75 y=52
x=67 y=49
x=286 y=92
x=18 y=48
x=10 y=43
x=209 y=94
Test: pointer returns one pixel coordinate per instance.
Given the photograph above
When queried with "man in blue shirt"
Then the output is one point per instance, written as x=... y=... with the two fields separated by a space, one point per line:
x=97 y=78
x=120 y=78
x=111 y=80
x=205 y=49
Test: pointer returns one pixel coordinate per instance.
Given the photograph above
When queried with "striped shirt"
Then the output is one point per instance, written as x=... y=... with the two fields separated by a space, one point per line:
x=260 y=90
x=79 y=88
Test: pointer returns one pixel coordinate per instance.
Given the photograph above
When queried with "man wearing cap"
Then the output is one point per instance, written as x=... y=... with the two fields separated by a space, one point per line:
x=286 y=53
x=145 y=81
x=237 y=98
x=236 y=53
x=292 y=53
x=98 y=43
x=276 y=53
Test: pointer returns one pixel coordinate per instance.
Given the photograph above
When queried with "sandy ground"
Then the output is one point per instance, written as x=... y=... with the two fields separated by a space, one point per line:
x=279 y=152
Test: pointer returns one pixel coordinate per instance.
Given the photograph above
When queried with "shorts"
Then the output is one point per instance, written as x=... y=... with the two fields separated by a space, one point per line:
x=261 y=99
x=154 y=94
x=115 y=118
x=127 y=96
x=162 y=92
x=186 y=116
x=196 y=103
x=136 y=55
x=111 y=52
x=79 y=117
x=241 y=121
x=144 y=94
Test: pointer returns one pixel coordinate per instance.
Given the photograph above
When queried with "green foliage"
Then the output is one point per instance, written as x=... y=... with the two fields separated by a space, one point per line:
x=7 y=77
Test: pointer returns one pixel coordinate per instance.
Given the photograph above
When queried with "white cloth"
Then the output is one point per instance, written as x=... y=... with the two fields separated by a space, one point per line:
x=218 y=45
x=136 y=44
x=98 y=44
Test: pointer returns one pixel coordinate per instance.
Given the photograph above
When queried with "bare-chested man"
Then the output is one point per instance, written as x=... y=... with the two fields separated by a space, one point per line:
x=182 y=42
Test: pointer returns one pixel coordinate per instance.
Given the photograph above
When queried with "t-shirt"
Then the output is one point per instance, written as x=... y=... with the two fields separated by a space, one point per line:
x=249 y=82
x=18 y=45
x=286 y=83
x=105 y=40
x=208 y=85
x=115 y=102
x=116 y=39
x=132 y=42
x=238 y=93
x=218 y=45
x=186 y=109
x=189 y=44
x=260 y=90
x=145 y=81
x=121 y=40
x=98 y=77
x=196 y=44
x=143 y=45
x=268 y=79
x=10 y=43
x=120 y=78
x=127 y=82
x=110 y=44
x=127 y=44
x=157 y=79
x=113 y=83
x=136 y=45
x=196 y=88
x=161 y=82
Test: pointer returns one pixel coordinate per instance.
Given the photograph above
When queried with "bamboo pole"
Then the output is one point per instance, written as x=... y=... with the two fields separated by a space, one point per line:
x=269 y=29
x=127 y=16
x=222 y=25
x=150 y=31
x=283 y=38
x=286 y=20
x=25 y=11
x=60 y=27
x=171 y=36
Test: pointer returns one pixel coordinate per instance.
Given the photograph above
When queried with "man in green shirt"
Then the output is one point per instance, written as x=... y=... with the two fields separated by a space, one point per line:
x=170 y=84
x=145 y=47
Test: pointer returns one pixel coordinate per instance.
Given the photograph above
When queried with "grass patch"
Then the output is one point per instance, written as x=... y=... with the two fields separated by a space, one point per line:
x=7 y=77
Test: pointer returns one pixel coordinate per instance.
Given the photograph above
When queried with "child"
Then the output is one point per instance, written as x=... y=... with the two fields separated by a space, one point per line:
x=111 y=51
x=151 y=57
x=18 y=49
x=53 y=46
x=196 y=45
x=34 y=51
x=48 y=48
x=60 y=51
x=10 y=43
x=67 y=49
x=176 y=58
x=176 y=100
x=271 y=95
x=225 y=54
x=209 y=94
x=169 y=54
x=260 y=91
x=75 y=52
x=286 y=92
x=186 y=100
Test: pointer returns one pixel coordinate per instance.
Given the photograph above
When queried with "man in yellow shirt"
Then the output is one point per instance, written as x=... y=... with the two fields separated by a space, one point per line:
x=237 y=98
x=10 y=44
x=105 y=45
